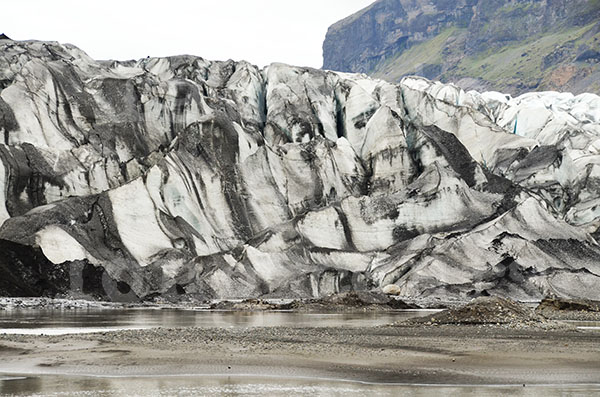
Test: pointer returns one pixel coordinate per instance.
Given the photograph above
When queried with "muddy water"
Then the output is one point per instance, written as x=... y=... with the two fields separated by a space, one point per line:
x=58 y=322
x=252 y=386
x=78 y=321
x=587 y=325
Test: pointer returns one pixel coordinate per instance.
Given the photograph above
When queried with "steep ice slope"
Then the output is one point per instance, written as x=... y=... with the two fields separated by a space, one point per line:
x=185 y=177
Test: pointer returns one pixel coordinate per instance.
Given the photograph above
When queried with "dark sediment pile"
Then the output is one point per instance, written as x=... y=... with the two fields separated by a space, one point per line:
x=353 y=300
x=569 y=309
x=482 y=311
x=247 y=305
x=347 y=301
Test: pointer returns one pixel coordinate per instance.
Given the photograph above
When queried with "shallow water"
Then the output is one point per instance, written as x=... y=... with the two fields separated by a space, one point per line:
x=43 y=321
x=587 y=325
x=59 y=322
x=253 y=386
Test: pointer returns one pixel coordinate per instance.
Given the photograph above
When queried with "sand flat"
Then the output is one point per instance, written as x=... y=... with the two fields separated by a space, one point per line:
x=404 y=354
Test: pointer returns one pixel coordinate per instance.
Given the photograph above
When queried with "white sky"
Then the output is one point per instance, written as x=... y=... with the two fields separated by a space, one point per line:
x=259 y=31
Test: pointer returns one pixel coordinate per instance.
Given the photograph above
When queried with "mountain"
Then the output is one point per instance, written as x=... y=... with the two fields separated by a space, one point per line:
x=512 y=46
x=183 y=178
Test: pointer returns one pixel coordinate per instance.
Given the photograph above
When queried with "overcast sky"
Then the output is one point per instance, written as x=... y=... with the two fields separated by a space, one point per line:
x=259 y=31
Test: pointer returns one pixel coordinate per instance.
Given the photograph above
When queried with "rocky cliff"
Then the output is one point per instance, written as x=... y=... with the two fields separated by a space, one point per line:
x=185 y=178
x=513 y=46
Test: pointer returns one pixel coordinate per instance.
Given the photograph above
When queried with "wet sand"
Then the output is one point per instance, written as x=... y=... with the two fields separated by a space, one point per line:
x=415 y=354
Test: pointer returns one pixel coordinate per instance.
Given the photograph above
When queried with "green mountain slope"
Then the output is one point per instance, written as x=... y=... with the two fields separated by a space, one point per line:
x=510 y=46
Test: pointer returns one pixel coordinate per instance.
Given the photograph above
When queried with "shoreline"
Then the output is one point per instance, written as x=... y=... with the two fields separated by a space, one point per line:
x=488 y=341
x=370 y=300
x=404 y=355
x=265 y=385
x=22 y=376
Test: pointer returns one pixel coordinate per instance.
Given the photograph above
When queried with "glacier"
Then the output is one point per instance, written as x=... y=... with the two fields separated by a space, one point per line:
x=183 y=178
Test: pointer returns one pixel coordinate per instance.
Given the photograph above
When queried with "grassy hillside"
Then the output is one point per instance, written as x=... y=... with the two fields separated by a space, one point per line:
x=419 y=57
x=537 y=63
x=505 y=45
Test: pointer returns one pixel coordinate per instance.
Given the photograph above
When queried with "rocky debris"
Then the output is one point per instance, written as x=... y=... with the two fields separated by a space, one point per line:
x=181 y=179
x=569 y=309
x=74 y=304
x=361 y=300
x=348 y=301
x=56 y=304
x=478 y=44
x=248 y=305
x=569 y=305
x=483 y=310
x=474 y=355
x=391 y=289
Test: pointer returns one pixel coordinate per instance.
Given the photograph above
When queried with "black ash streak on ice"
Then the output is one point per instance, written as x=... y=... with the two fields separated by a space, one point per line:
x=185 y=178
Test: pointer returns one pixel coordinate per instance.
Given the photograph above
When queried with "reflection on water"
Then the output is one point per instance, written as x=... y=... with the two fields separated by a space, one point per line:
x=40 y=321
x=587 y=325
x=252 y=386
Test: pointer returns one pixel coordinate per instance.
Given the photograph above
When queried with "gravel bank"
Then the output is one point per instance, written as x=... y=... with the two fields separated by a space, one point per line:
x=455 y=354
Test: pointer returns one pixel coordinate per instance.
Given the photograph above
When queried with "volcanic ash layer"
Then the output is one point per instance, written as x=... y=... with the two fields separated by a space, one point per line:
x=185 y=178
